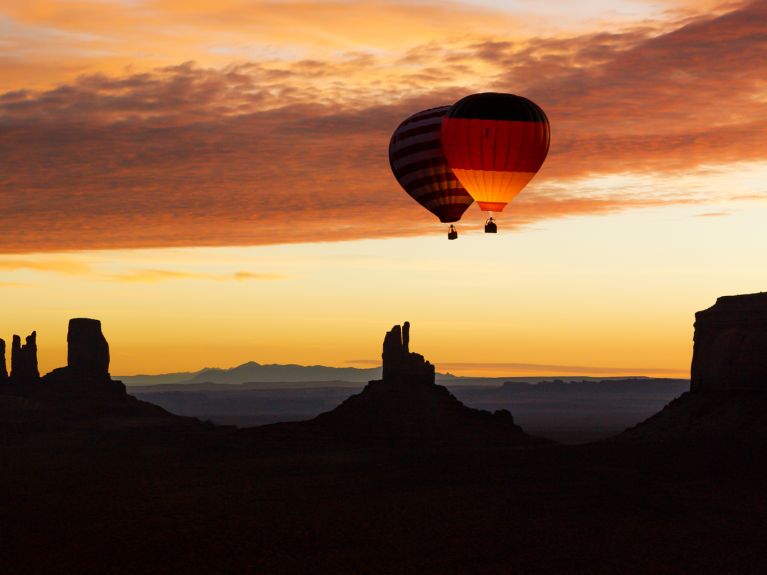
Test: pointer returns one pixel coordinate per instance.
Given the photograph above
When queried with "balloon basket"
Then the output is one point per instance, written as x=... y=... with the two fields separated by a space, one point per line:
x=490 y=226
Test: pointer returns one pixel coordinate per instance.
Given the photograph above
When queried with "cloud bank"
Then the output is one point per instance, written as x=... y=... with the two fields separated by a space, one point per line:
x=292 y=151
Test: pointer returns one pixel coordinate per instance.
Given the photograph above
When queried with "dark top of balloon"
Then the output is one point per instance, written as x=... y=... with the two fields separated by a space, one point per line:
x=497 y=106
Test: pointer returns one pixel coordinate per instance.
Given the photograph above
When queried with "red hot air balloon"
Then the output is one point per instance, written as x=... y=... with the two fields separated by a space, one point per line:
x=495 y=144
x=420 y=166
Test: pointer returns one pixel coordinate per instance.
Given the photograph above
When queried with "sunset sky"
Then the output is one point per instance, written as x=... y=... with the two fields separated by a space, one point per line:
x=210 y=179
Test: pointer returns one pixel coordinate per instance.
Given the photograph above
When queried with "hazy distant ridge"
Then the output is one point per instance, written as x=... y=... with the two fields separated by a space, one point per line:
x=253 y=372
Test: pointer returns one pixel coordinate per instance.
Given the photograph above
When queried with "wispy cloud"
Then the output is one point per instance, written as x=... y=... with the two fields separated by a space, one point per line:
x=751 y=197
x=144 y=275
x=57 y=266
x=158 y=275
x=245 y=276
x=74 y=32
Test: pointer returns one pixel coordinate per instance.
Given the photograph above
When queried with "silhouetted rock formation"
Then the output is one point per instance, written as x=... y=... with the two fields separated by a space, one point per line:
x=24 y=360
x=3 y=368
x=80 y=394
x=407 y=406
x=86 y=373
x=728 y=391
x=87 y=369
x=87 y=350
x=730 y=351
x=399 y=364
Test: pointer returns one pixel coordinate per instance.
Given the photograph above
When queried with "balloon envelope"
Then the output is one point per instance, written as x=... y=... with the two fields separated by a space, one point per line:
x=495 y=144
x=419 y=164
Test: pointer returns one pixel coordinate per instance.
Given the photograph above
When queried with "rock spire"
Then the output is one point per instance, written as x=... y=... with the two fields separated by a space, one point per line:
x=399 y=364
x=24 y=360
x=407 y=406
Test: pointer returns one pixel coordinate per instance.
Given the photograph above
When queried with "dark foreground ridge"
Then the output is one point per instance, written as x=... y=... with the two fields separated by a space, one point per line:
x=81 y=393
x=728 y=389
x=407 y=406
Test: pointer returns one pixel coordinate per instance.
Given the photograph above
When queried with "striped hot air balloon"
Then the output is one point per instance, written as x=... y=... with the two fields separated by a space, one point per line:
x=420 y=166
x=495 y=144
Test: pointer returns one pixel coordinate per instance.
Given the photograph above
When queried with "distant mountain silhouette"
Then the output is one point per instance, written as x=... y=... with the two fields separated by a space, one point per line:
x=256 y=372
x=253 y=372
x=406 y=405
x=728 y=388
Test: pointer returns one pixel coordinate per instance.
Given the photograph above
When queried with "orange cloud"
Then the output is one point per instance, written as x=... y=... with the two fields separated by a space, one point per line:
x=267 y=152
x=73 y=37
x=156 y=275
x=59 y=266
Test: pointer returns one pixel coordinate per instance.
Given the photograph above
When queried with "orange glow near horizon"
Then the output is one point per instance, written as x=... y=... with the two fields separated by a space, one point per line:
x=542 y=301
